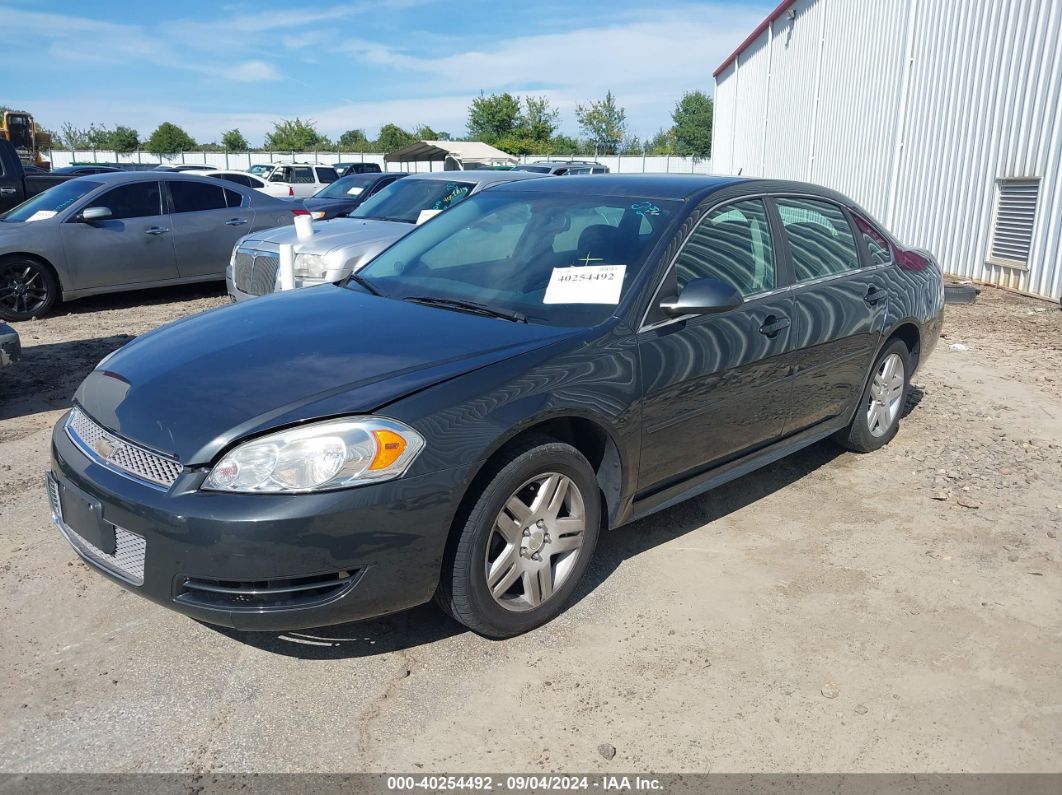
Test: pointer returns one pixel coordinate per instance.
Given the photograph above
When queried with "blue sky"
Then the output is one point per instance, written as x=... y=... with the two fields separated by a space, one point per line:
x=210 y=67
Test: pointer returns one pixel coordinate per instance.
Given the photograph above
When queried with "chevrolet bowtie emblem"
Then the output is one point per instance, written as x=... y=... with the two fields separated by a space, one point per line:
x=104 y=447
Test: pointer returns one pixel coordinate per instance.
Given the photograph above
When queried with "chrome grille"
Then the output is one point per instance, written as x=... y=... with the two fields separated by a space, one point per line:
x=242 y=266
x=127 y=562
x=118 y=454
x=255 y=272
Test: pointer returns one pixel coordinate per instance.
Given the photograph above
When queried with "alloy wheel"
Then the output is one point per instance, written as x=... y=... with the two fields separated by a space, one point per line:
x=23 y=288
x=886 y=395
x=535 y=541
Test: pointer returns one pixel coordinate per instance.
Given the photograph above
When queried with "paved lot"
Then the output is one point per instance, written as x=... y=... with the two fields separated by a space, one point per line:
x=898 y=611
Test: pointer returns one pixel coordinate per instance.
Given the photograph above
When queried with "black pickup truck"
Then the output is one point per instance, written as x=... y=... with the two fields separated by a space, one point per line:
x=15 y=184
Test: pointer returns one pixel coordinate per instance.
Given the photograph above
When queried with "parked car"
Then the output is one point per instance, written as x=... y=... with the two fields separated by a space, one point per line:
x=115 y=232
x=560 y=168
x=185 y=167
x=10 y=347
x=343 y=245
x=305 y=178
x=85 y=170
x=347 y=193
x=16 y=182
x=468 y=415
x=281 y=190
x=346 y=169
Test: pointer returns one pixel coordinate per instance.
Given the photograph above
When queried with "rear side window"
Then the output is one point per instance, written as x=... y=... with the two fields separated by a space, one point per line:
x=138 y=200
x=819 y=237
x=193 y=197
x=233 y=199
x=302 y=175
x=877 y=245
x=327 y=175
x=732 y=244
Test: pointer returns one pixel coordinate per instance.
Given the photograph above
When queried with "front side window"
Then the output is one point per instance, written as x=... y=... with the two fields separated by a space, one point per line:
x=514 y=251
x=138 y=200
x=405 y=199
x=193 y=197
x=51 y=202
x=819 y=236
x=732 y=244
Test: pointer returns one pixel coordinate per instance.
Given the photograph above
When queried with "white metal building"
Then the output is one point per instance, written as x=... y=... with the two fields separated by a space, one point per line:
x=942 y=118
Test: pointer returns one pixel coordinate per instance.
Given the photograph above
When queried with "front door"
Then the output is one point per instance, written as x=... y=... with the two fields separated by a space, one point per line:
x=207 y=222
x=839 y=309
x=132 y=246
x=714 y=385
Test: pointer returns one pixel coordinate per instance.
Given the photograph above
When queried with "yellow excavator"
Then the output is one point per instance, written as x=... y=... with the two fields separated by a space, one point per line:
x=29 y=140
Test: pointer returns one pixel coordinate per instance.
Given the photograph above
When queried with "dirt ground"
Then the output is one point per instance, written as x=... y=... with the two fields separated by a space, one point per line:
x=899 y=611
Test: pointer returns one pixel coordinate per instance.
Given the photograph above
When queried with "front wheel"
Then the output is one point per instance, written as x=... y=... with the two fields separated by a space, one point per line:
x=526 y=542
x=28 y=289
x=877 y=417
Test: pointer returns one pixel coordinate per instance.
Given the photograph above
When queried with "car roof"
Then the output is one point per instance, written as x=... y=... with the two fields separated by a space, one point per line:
x=477 y=176
x=120 y=177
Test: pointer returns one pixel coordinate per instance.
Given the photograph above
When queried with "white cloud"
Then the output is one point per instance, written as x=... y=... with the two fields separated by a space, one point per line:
x=251 y=71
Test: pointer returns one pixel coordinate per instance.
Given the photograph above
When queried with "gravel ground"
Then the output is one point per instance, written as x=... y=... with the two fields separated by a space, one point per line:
x=898 y=611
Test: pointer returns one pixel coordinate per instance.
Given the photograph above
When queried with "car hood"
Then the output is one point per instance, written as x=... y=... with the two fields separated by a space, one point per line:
x=337 y=233
x=195 y=386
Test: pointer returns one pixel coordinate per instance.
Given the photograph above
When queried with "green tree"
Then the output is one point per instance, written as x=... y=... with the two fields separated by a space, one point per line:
x=122 y=139
x=295 y=135
x=663 y=143
x=632 y=145
x=491 y=118
x=393 y=137
x=233 y=141
x=693 y=124
x=538 y=120
x=169 y=139
x=604 y=123
x=353 y=141
x=565 y=145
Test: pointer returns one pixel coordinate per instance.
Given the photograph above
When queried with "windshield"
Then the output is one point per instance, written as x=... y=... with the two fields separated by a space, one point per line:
x=557 y=259
x=52 y=202
x=346 y=187
x=406 y=199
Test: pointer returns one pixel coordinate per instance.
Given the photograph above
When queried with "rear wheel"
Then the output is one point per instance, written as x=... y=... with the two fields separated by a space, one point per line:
x=28 y=289
x=525 y=543
x=877 y=418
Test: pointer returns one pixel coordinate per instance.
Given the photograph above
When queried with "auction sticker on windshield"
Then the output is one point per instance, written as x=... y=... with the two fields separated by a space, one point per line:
x=585 y=284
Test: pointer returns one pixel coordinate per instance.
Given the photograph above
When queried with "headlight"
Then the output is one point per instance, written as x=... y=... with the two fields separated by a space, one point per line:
x=317 y=215
x=310 y=266
x=317 y=457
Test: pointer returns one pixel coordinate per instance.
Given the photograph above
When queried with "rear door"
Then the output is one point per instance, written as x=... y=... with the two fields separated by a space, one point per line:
x=207 y=221
x=839 y=308
x=715 y=385
x=133 y=246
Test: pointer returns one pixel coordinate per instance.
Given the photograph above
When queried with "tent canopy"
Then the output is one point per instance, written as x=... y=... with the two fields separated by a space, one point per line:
x=439 y=150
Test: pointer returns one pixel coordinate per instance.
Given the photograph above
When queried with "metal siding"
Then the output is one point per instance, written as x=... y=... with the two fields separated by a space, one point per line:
x=922 y=143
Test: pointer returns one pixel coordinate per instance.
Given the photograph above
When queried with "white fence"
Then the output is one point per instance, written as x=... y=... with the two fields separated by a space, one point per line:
x=626 y=164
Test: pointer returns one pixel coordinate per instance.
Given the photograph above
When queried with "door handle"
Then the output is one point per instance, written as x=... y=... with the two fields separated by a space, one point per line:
x=773 y=324
x=156 y=230
x=7 y=191
x=236 y=222
x=875 y=294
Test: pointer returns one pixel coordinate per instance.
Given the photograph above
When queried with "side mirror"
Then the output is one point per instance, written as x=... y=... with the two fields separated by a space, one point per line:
x=90 y=214
x=702 y=297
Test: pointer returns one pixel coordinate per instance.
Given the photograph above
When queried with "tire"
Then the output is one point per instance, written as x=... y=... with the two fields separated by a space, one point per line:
x=28 y=289
x=877 y=417
x=526 y=552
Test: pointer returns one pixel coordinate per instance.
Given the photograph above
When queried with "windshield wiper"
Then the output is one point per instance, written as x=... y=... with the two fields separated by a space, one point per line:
x=467 y=306
x=363 y=282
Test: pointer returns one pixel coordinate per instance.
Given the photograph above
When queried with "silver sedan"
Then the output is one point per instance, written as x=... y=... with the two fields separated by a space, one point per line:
x=124 y=231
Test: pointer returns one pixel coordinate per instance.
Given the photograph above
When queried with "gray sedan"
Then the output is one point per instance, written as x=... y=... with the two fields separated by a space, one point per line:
x=114 y=232
x=343 y=245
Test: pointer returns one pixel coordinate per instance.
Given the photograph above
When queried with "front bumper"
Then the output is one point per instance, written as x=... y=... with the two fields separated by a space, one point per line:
x=237 y=295
x=261 y=561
